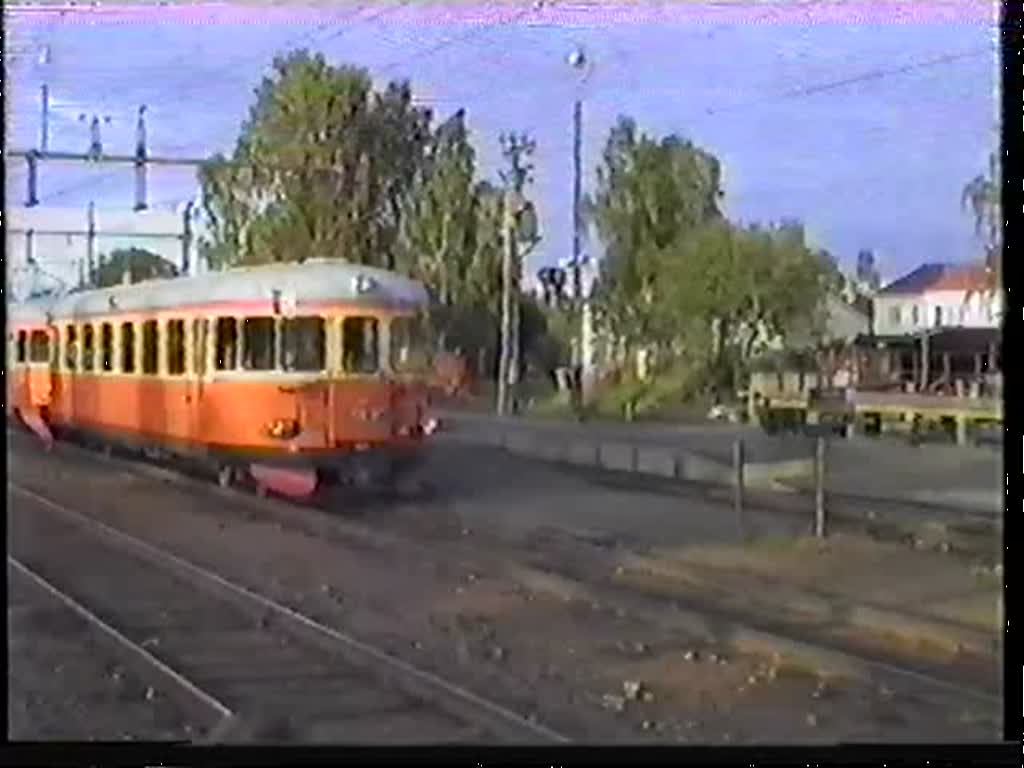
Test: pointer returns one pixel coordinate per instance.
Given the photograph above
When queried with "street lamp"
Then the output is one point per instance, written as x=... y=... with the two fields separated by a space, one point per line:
x=582 y=65
x=578 y=60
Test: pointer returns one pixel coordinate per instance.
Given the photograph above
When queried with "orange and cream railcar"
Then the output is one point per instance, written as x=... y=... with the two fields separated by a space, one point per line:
x=292 y=373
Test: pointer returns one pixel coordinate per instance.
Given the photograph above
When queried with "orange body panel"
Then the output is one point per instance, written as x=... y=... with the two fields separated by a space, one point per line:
x=231 y=414
x=234 y=412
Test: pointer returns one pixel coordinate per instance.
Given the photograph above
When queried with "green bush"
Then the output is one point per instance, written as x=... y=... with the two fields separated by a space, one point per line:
x=666 y=390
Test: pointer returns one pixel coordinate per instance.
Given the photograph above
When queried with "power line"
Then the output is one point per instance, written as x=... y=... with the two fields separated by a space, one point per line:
x=877 y=74
x=455 y=39
x=202 y=82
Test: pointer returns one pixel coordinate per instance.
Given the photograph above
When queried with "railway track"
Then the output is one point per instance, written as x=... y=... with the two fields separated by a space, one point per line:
x=264 y=670
x=585 y=573
x=72 y=675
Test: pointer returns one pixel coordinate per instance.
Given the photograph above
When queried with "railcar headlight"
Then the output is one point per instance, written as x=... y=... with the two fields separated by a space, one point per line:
x=363 y=284
x=282 y=429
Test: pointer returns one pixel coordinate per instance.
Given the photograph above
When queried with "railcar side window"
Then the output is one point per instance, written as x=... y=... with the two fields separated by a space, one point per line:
x=176 y=347
x=360 y=344
x=408 y=349
x=22 y=346
x=128 y=347
x=107 y=346
x=227 y=343
x=258 y=343
x=150 y=346
x=70 y=348
x=302 y=344
x=87 y=347
x=39 y=347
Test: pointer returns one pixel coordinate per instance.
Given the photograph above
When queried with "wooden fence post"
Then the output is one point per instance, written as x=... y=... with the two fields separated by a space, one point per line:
x=819 y=488
x=737 y=463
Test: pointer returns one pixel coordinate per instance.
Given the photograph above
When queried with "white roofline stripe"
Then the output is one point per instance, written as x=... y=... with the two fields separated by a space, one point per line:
x=311 y=283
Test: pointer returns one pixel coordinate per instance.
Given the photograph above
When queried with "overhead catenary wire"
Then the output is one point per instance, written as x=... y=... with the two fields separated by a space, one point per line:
x=797 y=92
x=196 y=82
x=863 y=77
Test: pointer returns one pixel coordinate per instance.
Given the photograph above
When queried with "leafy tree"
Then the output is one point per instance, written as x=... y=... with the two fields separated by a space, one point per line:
x=439 y=225
x=319 y=170
x=726 y=292
x=650 y=195
x=138 y=262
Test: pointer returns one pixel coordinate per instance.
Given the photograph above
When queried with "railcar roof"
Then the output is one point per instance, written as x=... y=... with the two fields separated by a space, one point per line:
x=309 y=283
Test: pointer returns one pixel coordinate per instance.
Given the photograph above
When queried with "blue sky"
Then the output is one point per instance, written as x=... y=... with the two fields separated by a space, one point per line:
x=875 y=163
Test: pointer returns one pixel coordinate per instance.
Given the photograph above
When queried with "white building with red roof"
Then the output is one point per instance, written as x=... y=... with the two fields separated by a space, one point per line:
x=938 y=296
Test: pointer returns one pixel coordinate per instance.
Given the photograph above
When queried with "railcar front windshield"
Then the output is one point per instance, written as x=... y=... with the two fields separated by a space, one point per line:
x=360 y=345
x=409 y=348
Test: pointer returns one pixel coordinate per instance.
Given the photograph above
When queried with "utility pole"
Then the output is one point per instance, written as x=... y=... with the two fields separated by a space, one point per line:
x=32 y=198
x=90 y=242
x=44 y=135
x=519 y=227
x=44 y=104
x=186 y=240
x=577 y=191
x=44 y=118
x=140 y=161
x=513 y=203
x=578 y=60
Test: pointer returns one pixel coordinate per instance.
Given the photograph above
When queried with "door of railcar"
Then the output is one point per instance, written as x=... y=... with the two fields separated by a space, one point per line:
x=360 y=396
x=303 y=346
x=200 y=350
x=17 y=372
x=40 y=371
x=409 y=360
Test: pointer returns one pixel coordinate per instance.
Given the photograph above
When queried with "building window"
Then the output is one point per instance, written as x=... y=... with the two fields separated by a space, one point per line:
x=938 y=316
x=39 y=347
x=227 y=343
x=176 y=347
x=22 y=345
x=70 y=347
x=150 y=347
x=894 y=316
x=88 y=349
x=258 y=343
x=302 y=344
x=915 y=315
x=128 y=347
x=963 y=313
x=107 y=346
x=360 y=345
